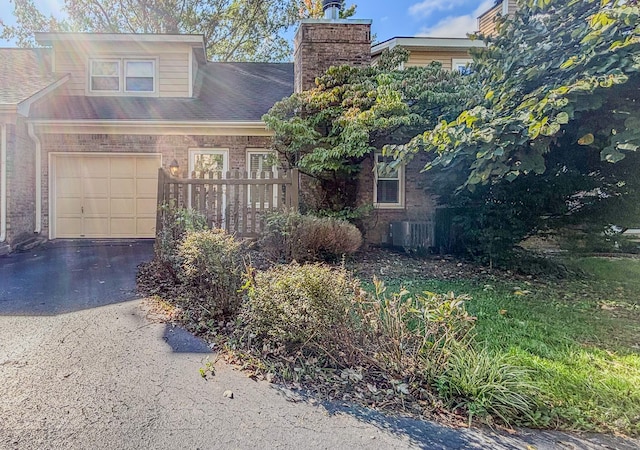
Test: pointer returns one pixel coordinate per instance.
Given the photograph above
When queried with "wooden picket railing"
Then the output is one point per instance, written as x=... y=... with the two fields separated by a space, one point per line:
x=236 y=201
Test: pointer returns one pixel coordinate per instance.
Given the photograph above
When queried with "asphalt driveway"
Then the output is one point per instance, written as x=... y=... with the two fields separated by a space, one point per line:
x=66 y=276
x=84 y=364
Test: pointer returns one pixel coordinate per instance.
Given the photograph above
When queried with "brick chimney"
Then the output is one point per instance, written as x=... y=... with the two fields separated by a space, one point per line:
x=322 y=43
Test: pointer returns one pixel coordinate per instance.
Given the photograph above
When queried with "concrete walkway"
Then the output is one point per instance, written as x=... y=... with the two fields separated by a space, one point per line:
x=113 y=377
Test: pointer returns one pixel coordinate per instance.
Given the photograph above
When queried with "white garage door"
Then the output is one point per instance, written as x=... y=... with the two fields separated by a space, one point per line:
x=104 y=196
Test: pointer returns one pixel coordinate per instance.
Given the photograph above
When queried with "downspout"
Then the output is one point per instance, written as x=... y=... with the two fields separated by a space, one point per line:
x=36 y=140
x=3 y=182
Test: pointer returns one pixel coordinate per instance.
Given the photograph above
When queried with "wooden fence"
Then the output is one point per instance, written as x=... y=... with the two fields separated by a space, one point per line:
x=236 y=201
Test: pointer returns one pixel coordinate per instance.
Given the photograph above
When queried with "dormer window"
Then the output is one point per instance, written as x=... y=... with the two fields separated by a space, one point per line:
x=105 y=75
x=122 y=76
x=139 y=76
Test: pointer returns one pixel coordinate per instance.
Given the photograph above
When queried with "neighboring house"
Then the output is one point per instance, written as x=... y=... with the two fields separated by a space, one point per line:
x=87 y=122
x=25 y=76
x=452 y=53
x=487 y=21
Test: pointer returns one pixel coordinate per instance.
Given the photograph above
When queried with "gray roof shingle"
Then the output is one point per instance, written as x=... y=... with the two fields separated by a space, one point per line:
x=23 y=73
x=222 y=92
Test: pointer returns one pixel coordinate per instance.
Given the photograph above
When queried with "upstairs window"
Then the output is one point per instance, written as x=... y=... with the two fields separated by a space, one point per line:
x=105 y=76
x=462 y=65
x=139 y=76
x=130 y=76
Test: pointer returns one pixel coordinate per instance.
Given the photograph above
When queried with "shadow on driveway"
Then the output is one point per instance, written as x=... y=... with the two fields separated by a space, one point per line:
x=67 y=276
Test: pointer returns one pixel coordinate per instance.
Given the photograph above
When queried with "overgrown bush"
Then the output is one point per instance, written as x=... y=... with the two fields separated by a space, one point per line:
x=176 y=223
x=485 y=385
x=299 y=309
x=160 y=275
x=211 y=272
x=415 y=335
x=292 y=236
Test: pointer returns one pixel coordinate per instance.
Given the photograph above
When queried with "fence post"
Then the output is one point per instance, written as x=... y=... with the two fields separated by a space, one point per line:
x=160 y=200
x=295 y=187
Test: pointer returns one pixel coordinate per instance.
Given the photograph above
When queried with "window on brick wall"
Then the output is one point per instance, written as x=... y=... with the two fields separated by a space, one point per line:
x=261 y=164
x=388 y=191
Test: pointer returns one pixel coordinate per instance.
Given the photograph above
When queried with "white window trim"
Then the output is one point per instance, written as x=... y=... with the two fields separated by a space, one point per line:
x=105 y=60
x=401 y=186
x=209 y=151
x=122 y=63
x=456 y=62
x=124 y=76
x=274 y=170
x=225 y=168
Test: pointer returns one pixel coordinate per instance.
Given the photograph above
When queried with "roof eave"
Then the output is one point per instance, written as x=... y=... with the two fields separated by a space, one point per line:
x=47 y=38
x=427 y=43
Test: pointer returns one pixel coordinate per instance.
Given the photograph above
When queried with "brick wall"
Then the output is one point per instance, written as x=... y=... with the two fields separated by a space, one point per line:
x=20 y=182
x=169 y=147
x=320 y=44
x=420 y=205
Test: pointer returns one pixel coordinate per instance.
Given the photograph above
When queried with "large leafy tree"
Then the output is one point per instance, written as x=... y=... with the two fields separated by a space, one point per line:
x=555 y=138
x=559 y=70
x=328 y=131
x=238 y=30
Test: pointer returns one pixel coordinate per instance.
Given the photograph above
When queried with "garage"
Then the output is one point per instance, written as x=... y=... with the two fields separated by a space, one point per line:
x=103 y=195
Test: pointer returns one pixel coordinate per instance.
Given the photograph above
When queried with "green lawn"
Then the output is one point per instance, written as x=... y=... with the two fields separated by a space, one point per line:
x=580 y=338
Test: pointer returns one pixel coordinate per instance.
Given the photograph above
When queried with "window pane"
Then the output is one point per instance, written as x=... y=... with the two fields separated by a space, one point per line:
x=388 y=191
x=139 y=84
x=259 y=162
x=105 y=83
x=104 y=68
x=140 y=69
x=383 y=172
x=209 y=163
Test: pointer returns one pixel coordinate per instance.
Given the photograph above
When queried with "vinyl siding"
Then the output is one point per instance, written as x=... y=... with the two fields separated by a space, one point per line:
x=172 y=70
x=513 y=6
x=424 y=57
x=487 y=21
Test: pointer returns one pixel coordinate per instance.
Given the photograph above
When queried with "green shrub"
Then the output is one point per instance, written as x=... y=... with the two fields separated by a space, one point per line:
x=211 y=272
x=485 y=385
x=292 y=236
x=298 y=308
x=176 y=223
x=415 y=334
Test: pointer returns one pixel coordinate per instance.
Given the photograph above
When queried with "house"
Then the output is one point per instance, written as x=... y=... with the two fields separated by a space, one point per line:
x=452 y=53
x=87 y=121
x=487 y=21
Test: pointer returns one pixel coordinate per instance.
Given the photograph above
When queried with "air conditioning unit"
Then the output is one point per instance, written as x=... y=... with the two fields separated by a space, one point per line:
x=411 y=235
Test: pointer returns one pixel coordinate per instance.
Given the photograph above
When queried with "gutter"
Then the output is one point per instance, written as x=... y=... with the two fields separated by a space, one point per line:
x=3 y=182
x=151 y=123
x=38 y=168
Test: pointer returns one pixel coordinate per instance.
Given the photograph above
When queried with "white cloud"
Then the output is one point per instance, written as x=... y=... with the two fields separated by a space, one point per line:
x=457 y=26
x=426 y=7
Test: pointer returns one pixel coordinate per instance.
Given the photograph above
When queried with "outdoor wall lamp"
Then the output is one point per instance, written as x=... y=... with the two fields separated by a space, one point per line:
x=174 y=168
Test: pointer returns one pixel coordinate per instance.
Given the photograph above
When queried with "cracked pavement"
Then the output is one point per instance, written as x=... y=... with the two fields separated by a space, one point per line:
x=98 y=372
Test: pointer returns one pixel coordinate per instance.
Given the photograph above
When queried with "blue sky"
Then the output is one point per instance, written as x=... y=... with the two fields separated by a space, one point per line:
x=440 y=18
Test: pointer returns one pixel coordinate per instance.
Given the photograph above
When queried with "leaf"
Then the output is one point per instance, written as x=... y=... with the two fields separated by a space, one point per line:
x=562 y=118
x=587 y=139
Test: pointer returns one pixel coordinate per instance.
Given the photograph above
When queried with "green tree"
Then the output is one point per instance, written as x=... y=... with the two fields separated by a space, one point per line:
x=234 y=30
x=555 y=138
x=328 y=131
x=558 y=69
